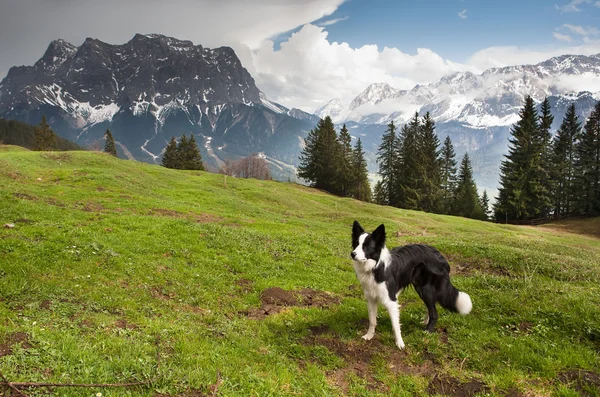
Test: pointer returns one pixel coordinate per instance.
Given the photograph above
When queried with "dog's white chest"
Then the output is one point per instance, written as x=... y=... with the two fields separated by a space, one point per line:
x=372 y=289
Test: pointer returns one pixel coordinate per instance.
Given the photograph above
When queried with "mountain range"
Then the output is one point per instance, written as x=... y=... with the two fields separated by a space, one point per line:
x=155 y=87
x=476 y=110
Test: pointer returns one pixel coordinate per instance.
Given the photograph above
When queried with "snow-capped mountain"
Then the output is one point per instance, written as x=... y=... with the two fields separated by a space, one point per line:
x=333 y=109
x=149 y=89
x=477 y=110
x=490 y=99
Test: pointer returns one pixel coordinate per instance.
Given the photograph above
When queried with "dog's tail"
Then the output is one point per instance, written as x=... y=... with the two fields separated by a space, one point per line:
x=463 y=303
x=453 y=299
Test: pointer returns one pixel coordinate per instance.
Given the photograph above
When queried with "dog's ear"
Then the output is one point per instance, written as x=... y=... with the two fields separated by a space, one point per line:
x=379 y=236
x=357 y=230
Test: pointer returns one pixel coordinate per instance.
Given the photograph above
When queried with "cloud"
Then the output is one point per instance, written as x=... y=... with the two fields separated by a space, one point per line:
x=597 y=4
x=330 y=22
x=515 y=55
x=210 y=23
x=463 y=14
x=580 y=30
x=308 y=70
x=562 y=37
x=572 y=6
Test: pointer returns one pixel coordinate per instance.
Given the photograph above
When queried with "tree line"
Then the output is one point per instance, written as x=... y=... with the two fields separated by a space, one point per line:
x=14 y=132
x=185 y=155
x=329 y=162
x=418 y=173
x=544 y=176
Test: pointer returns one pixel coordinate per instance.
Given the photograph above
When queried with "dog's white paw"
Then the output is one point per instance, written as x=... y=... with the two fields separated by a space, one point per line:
x=368 y=335
x=400 y=344
x=426 y=319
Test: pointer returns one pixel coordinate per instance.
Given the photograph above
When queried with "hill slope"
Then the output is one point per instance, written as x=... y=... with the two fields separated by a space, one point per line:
x=117 y=271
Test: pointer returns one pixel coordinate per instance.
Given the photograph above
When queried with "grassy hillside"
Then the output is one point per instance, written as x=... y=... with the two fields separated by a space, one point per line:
x=118 y=271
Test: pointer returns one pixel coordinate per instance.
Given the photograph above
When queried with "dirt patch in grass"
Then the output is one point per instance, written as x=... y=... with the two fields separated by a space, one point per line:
x=25 y=196
x=57 y=156
x=587 y=383
x=23 y=220
x=199 y=218
x=275 y=299
x=55 y=203
x=158 y=292
x=585 y=226
x=124 y=324
x=358 y=356
x=470 y=266
x=46 y=304
x=166 y=212
x=92 y=207
x=14 y=339
x=244 y=285
x=450 y=386
x=423 y=232
x=513 y=392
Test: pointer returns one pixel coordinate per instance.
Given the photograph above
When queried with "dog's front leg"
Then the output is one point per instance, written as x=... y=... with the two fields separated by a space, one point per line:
x=394 y=311
x=372 y=307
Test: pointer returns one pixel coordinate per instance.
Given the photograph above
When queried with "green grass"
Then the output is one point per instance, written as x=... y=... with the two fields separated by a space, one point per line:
x=119 y=271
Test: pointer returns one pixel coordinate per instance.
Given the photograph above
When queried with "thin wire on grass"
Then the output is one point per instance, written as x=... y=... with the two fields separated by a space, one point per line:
x=11 y=386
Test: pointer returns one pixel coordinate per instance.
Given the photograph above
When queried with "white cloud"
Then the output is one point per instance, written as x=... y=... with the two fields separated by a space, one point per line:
x=514 y=55
x=580 y=30
x=330 y=22
x=581 y=82
x=572 y=6
x=211 y=23
x=308 y=70
x=463 y=14
x=562 y=37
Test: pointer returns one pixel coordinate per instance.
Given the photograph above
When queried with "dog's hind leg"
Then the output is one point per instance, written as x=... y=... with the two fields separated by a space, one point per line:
x=394 y=311
x=372 y=307
x=429 y=297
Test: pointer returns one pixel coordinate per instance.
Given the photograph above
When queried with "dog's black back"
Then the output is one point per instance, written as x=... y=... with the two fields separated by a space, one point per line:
x=422 y=266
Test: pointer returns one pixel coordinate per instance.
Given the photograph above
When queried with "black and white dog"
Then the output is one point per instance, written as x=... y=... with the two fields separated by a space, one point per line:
x=383 y=274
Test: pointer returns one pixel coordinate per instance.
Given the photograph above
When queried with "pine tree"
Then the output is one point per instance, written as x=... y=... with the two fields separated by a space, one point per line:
x=308 y=167
x=109 y=144
x=485 y=205
x=361 y=189
x=520 y=179
x=170 y=158
x=188 y=154
x=44 y=137
x=587 y=167
x=346 y=171
x=380 y=196
x=430 y=178
x=410 y=169
x=544 y=199
x=466 y=202
x=387 y=159
x=564 y=163
x=320 y=158
x=448 y=175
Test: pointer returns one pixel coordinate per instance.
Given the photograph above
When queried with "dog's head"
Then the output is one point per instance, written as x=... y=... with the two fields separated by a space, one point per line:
x=367 y=248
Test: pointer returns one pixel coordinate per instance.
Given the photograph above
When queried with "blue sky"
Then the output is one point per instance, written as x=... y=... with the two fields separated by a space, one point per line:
x=436 y=24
